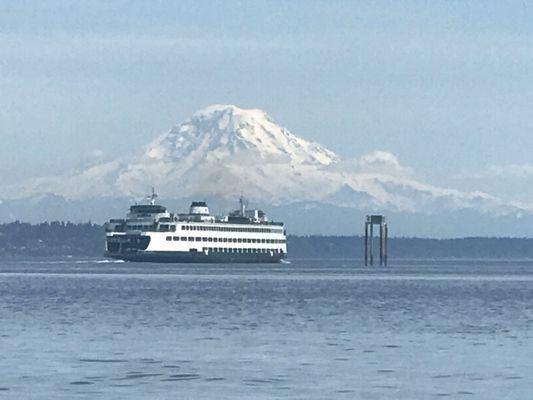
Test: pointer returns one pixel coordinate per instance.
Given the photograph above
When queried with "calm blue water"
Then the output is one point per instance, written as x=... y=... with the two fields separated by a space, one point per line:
x=308 y=330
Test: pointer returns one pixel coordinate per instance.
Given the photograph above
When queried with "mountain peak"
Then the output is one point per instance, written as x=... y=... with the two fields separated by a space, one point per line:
x=218 y=110
x=227 y=130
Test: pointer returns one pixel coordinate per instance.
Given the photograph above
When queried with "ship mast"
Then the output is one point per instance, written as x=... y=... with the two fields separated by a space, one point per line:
x=152 y=197
x=242 y=206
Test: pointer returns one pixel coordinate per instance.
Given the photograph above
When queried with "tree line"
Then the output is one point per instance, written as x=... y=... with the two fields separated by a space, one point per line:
x=60 y=238
x=51 y=239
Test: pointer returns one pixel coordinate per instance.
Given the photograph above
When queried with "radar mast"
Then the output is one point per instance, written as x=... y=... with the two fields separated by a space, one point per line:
x=242 y=206
x=152 y=197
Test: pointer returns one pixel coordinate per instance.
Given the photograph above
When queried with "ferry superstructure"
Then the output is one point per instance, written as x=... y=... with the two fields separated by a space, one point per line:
x=151 y=233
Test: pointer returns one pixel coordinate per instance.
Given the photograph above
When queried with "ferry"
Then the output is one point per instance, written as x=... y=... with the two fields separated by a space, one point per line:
x=150 y=233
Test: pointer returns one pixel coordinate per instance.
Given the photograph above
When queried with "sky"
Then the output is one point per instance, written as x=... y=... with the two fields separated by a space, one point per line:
x=446 y=86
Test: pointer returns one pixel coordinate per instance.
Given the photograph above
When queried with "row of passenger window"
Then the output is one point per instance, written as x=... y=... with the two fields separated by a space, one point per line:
x=151 y=228
x=222 y=240
x=226 y=250
x=227 y=229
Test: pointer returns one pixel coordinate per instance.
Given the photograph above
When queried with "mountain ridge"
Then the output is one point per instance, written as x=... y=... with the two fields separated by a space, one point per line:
x=223 y=151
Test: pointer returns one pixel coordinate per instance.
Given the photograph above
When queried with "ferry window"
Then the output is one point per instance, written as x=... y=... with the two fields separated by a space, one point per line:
x=191 y=239
x=183 y=227
x=204 y=239
x=210 y=239
x=175 y=238
x=183 y=238
x=254 y=241
x=169 y=238
x=239 y=240
x=198 y=239
x=215 y=239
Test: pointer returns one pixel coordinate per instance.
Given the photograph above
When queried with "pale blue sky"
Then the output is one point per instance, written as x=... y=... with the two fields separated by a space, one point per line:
x=446 y=86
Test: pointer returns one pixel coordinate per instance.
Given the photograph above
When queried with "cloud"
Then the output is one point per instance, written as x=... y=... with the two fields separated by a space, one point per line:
x=382 y=162
x=512 y=170
x=97 y=153
x=508 y=171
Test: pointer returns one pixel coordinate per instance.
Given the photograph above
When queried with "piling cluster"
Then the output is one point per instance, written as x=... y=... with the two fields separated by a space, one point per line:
x=379 y=220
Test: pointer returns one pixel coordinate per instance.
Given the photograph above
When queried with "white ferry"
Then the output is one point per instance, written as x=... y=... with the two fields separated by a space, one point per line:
x=151 y=233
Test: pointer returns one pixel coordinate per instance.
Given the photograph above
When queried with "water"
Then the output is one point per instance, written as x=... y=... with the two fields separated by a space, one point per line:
x=308 y=330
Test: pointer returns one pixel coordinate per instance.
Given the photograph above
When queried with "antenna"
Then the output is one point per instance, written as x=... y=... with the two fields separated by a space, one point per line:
x=242 y=205
x=152 y=197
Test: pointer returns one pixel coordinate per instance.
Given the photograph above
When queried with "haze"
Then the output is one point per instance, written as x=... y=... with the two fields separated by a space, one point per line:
x=445 y=86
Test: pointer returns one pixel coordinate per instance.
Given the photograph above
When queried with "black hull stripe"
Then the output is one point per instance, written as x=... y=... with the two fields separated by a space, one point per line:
x=199 y=257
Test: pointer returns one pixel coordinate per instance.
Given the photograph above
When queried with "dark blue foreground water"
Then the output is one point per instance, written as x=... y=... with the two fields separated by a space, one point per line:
x=306 y=330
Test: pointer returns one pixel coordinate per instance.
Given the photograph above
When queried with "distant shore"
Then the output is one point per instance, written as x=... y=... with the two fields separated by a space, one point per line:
x=19 y=239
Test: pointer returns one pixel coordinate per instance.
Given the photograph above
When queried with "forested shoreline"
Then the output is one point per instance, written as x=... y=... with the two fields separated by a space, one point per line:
x=19 y=239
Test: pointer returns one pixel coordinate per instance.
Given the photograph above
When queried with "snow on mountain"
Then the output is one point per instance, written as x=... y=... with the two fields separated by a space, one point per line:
x=225 y=151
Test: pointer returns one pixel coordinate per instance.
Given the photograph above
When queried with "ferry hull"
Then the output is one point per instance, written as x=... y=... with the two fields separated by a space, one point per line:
x=196 y=257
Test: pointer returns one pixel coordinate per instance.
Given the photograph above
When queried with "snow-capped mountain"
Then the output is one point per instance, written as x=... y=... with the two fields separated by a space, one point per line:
x=224 y=151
